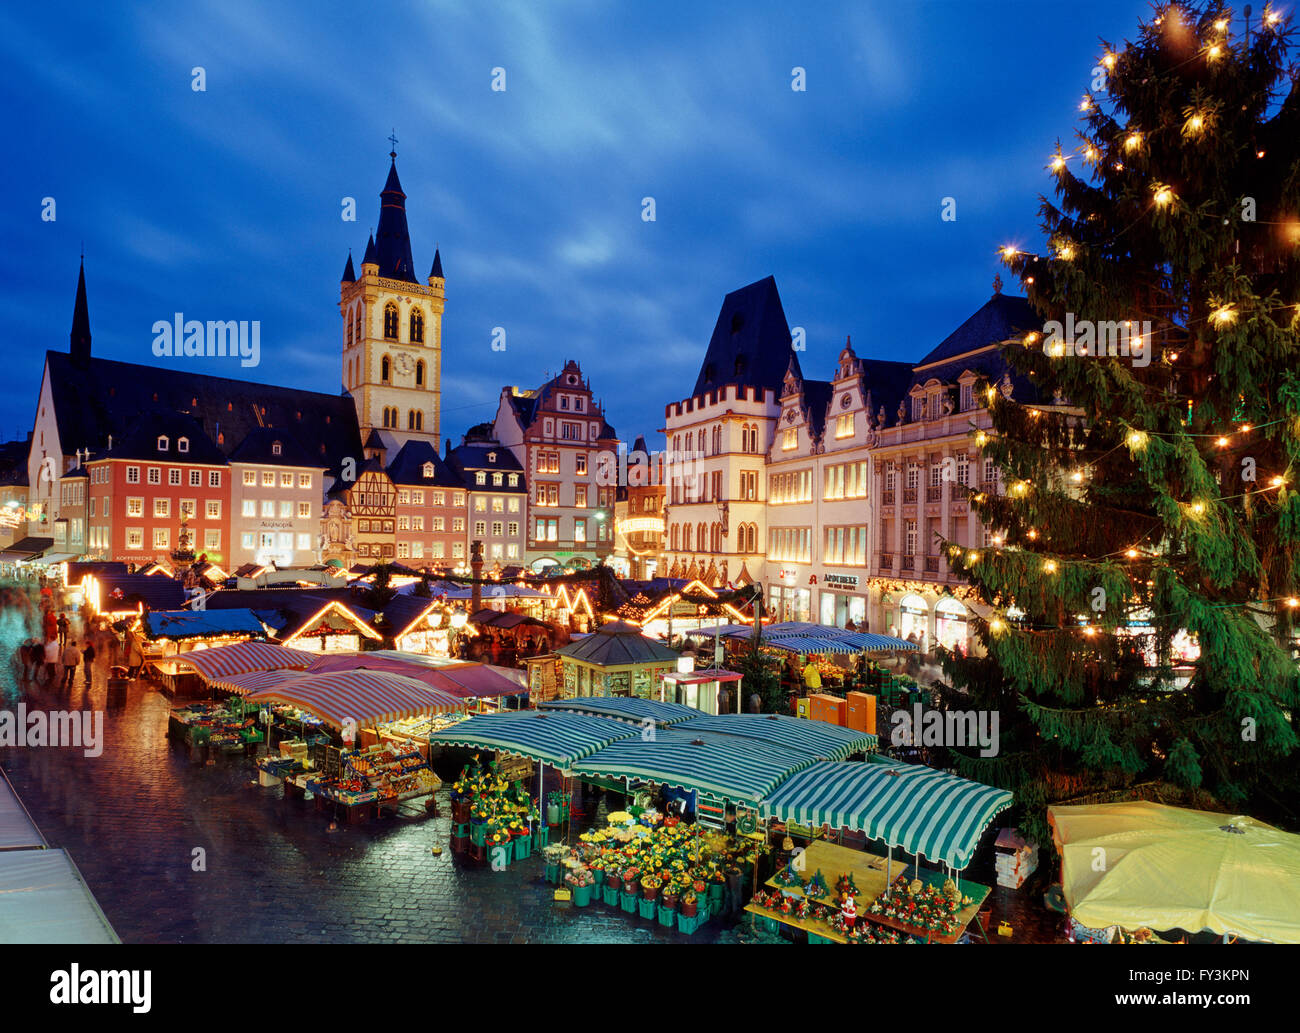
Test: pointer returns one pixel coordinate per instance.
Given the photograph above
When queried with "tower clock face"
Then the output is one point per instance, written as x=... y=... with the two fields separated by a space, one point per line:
x=404 y=363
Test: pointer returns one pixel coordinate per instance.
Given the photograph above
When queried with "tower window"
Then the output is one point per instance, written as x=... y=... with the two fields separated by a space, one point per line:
x=357 y=323
x=419 y=373
x=385 y=370
x=415 y=420
x=417 y=326
x=390 y=321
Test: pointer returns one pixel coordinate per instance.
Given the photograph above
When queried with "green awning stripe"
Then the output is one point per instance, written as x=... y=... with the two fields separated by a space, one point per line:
x=557 y=739
x=817 y=738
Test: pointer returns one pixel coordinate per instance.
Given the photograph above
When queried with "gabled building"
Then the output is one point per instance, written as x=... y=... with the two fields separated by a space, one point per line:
x=497 y=510
x=568 y=454
x=719 y=438
x=275 y=493
x=430 y=508
x=371 y=500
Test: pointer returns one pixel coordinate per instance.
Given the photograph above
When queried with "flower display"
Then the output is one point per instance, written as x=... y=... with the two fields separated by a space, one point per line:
x=580 y=877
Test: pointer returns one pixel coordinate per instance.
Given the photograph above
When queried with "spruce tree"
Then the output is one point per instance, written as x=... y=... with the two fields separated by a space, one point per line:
x=1155 y=496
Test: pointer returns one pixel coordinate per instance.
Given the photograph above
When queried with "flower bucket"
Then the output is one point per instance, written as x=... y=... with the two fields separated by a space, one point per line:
x=609 y=895
x=666 y=916
x=649 y=892
x=614 y=881
x=599 y=875
x=628 y=902
x=581 y=896
x=477 y=833
x=541 y=836
x=501 y=853
x=523 y=846
x=715 y=895
x=553 y=873
x=647 y=908
x=460 y=811
x=689 y=908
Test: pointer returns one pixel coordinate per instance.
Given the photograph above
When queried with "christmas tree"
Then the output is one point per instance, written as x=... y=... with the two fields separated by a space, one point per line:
x=1144 y=569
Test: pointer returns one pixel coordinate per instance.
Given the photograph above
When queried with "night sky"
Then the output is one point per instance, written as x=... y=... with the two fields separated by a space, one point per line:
x=226 y=204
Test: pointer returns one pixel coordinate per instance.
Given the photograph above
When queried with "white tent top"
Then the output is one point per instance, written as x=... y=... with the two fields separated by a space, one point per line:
x=44 y=899
x=17 y=830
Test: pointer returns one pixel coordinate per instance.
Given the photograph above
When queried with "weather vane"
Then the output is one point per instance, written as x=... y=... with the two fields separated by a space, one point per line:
x=393 y=140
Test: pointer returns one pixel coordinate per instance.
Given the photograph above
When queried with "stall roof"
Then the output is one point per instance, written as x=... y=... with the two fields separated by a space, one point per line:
x=817 y=738
x=254 y=681
x=506 y=621
x=17 y=830
x=243 y=657
x=720 y=766
x=44 y=899
x=914 y=808
x=803 y=637
x=24 y=549
x=157 y=593
x=366 y=698
x=559 y=739
x=178 y=624
x=466 y=680
x=618 y=644
x=624 y=708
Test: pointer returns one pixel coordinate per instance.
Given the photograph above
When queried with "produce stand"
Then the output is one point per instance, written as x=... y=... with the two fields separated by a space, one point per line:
x=372 y=780
x=174 y=678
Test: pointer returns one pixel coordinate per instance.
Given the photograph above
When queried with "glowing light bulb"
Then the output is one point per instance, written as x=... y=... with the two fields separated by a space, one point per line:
x=1214 y=52
x=1245 y=427
x=1131 y=553
x=996 y=626
x=991 y=394
x=1058 y=163
x=1031 y=338
x=1137 y=439
x=1163 y=196
x=1086 y=103
x=1272 y=18
x=1196 y=123
x=1065 y=253
x=1032 y=534
x=1109 y=60
x=1077 y=476
x=1277 y=482
x=1221 y=24
x=1090 y=631
x=1198 y=508
x=1050 y=567
x=1092 y=154
x=1009 y=252
x=1222 y=442
x=1133 y=141
x=972 y=557
x=1224 y=315
x=1293 y=602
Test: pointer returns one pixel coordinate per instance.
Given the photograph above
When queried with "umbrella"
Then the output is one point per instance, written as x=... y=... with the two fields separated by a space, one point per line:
x=1145 y=864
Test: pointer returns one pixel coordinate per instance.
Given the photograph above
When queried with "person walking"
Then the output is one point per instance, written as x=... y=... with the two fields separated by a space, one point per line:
x=88 y=658
x=71 y=657
x=63 y=630
x=135 y=659
x=51 y=656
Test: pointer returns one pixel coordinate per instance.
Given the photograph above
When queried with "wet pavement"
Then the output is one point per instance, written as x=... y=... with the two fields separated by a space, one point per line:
x=183 y=852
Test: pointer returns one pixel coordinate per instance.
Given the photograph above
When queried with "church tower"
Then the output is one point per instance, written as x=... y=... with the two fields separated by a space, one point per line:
x=392 y=331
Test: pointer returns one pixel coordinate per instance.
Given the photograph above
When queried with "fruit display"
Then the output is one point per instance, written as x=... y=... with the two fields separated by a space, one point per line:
x=379 y=773
x=918 y=907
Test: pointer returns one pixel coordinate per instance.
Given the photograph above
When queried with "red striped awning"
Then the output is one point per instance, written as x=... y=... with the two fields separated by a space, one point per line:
x=466 y=680
x=365 y=698
x=243 y=657
x=254 y=681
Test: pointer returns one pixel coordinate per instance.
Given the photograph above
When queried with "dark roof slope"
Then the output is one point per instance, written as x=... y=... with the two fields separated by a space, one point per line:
x=141 y=442
x=259 y=447
x=750 y=345
x=817 y=396
x=618 y=643
x=104 y=397
x=474 y=456
x=407 y=467
x=393 y=241
x=999 y=319
x=80 y=338
x=887 y=381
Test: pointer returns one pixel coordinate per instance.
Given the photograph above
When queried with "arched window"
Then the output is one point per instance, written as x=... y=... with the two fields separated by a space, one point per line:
x=417 y=326
x=351 y=325
x=753 y=538
x=701 y=537
x=674 y=537
x=390 y=321
x=385 y=369
x=419 y=373
x=717 y=440
x=700 y=441
x=385 y=417
x=415 y=420
x=686 y=537
x=357 y=321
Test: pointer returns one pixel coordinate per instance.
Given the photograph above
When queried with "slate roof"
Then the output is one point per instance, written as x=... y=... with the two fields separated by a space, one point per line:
x=751 y=344
x=392 y=240
x=141 y=441
x=80 y=337
x=887 y=382
x=258 y=447
x=1001 y=318
x=407 y=467
x=616 y=644
x=468 y=458
x=817 y=396
x=157 y=593
x=436 y=271
x=104 y=396
x=349 y=274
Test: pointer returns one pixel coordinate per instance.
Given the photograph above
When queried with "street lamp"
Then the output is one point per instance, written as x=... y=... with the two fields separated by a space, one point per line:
x=459 y=618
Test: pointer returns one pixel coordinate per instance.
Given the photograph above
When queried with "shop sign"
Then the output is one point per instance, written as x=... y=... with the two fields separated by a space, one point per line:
x=789 y=577
x=840 y=580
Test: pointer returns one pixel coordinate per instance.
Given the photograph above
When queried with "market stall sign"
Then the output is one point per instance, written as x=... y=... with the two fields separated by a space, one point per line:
x=333 y=761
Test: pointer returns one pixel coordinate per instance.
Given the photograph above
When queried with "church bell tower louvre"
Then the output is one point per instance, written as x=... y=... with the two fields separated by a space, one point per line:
x=392 y=330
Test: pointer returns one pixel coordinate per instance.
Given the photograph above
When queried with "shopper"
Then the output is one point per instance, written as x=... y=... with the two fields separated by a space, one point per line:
x=88 y=658
x=63 y=630
x=812 y=678
x=51 y=656
x=135 y=659
x=71 y=657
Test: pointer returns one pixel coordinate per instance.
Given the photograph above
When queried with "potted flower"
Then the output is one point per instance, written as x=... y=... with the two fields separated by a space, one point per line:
x=631 y=889
x=649 y=891
x=552 y=856
x=581 y=882
x=500 y=848
x=689 y=905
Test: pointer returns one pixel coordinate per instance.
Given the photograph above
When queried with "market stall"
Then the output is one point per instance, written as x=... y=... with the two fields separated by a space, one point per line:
x=702 y=690
x=244 y=657
x=818 y=738
x=624 y=708
x=1174 y=868
x=615 y=660
x=44 y=899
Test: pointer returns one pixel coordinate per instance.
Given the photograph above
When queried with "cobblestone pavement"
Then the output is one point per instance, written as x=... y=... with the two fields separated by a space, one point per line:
x=133 y=818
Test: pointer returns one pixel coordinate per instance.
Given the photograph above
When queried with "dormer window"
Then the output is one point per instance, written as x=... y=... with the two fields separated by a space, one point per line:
x=564 y=401
x=572 y=379
x=427 y=470
x=182 y=444
x=162 y=443
x=275 y=448
x=492 y=457
x=480 y=478
x=514 y=480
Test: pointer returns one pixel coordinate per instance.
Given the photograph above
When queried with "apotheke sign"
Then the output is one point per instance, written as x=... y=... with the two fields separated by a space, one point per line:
x=840 y=580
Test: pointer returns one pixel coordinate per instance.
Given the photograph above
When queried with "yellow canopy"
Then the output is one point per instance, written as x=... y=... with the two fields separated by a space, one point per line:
x=1144 y=864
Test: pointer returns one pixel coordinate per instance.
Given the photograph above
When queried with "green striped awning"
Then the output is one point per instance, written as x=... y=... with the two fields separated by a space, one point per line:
x=555 y=738
x=624 y=708
x=816 y=738
x=917 y=809
x=723 y=767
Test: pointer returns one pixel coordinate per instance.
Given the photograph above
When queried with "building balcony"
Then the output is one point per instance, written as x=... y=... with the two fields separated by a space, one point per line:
x=934 y=493
x=886 y=562
x=932 y=564
x=908 y=562
x=887 y=497
x=909 y=496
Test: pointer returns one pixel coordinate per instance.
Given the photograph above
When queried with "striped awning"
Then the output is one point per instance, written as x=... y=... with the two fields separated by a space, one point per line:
x=243 y=657
x=814 y=738
x=805 y=644
x=558 y=739
x=913 y=808
x=466 y=680
x=722 y=767
x=365 y=698
x=625 y=708
x=254 y=681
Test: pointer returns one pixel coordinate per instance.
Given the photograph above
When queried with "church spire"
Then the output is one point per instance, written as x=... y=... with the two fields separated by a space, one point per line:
x=436 y=272
x=393 y=241
x=349 y=274
x=80 y=337
x=369 y=258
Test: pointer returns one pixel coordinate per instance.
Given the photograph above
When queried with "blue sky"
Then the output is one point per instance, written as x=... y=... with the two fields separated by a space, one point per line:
x=225 y=204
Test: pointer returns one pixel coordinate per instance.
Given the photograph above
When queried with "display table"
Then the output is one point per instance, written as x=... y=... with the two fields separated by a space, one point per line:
x=175 y=679
x=869 y=875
